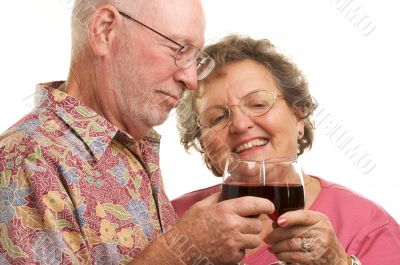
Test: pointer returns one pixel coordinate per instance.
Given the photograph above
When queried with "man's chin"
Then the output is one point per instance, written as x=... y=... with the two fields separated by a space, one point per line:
x=159 y=118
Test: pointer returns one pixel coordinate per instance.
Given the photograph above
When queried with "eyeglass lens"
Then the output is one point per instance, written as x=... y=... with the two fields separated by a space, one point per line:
x=254 y=104
x=190 y=54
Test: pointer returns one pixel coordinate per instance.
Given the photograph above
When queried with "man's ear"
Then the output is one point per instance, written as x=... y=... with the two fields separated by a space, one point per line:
x=102 y=29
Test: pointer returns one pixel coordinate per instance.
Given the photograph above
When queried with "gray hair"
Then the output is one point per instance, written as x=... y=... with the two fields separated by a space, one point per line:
x=80 y=20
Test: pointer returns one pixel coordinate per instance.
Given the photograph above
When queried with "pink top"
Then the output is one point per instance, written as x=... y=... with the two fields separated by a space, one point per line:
x=364 y=228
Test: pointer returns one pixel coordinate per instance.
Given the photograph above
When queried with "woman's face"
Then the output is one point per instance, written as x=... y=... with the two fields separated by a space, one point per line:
x=273 y=134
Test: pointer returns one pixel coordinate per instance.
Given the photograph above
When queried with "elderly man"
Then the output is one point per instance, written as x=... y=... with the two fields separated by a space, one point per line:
x=80 y=181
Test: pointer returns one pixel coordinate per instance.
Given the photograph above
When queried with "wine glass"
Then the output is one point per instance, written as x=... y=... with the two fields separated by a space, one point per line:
x=279 y=180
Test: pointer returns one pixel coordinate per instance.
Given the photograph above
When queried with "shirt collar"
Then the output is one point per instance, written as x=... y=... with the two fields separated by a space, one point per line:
x=94 y=130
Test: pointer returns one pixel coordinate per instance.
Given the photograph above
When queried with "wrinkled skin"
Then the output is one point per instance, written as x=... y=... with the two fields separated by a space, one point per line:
x=285 y=239
x=223 y=230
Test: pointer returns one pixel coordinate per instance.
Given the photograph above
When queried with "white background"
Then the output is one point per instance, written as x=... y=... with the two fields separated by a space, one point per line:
x=352 y=65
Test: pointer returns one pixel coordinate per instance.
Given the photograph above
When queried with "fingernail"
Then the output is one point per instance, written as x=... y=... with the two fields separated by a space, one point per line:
x=281 y=221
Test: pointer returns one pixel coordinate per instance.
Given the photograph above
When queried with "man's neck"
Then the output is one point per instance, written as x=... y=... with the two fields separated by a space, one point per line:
x=96 y=93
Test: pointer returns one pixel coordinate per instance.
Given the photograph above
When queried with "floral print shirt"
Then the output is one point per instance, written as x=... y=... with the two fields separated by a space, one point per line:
x=76 y=190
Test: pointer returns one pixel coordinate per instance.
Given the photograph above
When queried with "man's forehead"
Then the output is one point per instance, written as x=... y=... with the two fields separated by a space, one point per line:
x=181 y=20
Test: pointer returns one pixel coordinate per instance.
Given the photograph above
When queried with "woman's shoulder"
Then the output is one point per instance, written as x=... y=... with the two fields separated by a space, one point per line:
x=362 y=225
x=340 y=202
x=182 y=203
x=338 y=193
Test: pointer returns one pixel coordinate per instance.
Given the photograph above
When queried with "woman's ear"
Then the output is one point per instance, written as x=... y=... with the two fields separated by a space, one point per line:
x=102 y=29
x=300 y=128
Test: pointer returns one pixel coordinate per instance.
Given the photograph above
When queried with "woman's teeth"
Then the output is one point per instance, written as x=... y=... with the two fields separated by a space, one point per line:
x=257 y=142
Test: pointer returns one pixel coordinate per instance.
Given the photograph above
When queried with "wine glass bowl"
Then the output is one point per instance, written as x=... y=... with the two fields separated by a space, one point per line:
x=279 y=180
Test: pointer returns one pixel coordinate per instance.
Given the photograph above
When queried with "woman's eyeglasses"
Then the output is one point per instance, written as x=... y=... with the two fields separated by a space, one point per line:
x=254 y=104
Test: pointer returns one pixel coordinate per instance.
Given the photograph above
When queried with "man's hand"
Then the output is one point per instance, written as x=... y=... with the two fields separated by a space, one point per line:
x=219 y=232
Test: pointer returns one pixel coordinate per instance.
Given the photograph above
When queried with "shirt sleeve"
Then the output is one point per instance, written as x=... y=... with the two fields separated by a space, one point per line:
x=380 y=245
x=38 y=222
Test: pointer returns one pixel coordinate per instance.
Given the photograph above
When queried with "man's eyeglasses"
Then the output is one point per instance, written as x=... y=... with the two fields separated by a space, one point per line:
x=186 y=55
x=254 y=104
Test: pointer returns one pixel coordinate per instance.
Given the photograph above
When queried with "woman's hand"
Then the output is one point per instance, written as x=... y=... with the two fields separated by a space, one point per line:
x=306 y=237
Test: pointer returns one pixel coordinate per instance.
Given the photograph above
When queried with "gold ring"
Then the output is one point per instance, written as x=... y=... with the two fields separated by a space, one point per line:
x=305 y=244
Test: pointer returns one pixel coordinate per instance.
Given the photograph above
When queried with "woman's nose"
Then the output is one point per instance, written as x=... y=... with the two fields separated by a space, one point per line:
x=240 y=121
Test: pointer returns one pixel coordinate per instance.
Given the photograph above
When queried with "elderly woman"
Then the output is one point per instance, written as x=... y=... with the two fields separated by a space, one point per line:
x=219 y=120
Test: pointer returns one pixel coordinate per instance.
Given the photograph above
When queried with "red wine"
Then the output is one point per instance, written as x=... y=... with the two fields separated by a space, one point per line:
x=285 y=197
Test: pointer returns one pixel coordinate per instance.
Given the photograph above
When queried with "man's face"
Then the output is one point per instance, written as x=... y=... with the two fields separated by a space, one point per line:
x=146 y=81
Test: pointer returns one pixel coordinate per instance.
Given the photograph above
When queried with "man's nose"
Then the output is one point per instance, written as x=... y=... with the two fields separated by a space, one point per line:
x=188 y=77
